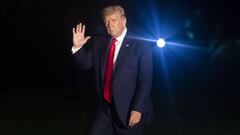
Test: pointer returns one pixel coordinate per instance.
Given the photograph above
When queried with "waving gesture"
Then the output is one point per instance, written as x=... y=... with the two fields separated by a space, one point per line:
x=79 y=38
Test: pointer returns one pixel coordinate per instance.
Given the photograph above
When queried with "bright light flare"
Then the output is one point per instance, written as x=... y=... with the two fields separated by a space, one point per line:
x=161 y=42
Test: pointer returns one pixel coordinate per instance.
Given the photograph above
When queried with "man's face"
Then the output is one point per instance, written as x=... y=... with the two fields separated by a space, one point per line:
x=115 y=24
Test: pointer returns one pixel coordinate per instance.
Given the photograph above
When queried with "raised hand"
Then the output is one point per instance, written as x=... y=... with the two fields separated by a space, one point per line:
x=79 y=38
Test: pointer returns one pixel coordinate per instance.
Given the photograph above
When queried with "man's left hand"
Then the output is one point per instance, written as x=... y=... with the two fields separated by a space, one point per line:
x=135 y=117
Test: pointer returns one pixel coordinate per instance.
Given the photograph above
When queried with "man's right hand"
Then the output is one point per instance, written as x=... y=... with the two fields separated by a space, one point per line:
x=79 y=38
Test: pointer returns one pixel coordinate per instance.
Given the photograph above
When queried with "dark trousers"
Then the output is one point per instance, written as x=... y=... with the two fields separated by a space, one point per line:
x=106 y=122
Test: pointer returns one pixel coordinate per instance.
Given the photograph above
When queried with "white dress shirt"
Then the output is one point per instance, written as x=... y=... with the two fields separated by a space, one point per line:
x=119 y=44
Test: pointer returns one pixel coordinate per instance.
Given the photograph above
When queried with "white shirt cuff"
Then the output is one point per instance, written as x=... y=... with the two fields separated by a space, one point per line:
x=74 y=50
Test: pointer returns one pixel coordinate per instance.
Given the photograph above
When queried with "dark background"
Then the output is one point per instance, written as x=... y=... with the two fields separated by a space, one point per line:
x=195 y=91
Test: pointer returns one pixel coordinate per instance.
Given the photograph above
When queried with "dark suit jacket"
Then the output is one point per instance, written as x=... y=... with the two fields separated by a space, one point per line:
x=132 y=77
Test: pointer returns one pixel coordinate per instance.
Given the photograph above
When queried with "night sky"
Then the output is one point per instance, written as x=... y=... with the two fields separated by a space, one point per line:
x=195 y=83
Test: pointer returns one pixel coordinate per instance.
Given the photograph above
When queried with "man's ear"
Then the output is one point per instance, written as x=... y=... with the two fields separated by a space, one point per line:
x=124 y=21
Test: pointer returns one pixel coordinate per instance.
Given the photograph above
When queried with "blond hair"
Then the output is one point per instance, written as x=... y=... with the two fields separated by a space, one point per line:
x=113 y=9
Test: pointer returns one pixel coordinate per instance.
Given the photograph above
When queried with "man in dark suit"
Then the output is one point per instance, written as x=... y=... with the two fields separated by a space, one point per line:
x=123 y=75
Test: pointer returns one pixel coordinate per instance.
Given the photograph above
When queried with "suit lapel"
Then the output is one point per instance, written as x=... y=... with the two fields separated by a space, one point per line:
x=104 y=58
x=122 y=55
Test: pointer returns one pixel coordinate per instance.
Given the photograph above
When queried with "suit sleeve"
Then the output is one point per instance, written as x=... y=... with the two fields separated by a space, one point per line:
x=144 y=79
x=83 y=57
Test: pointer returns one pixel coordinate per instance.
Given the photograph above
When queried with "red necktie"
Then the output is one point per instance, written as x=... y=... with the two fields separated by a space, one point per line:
x=108 y=72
